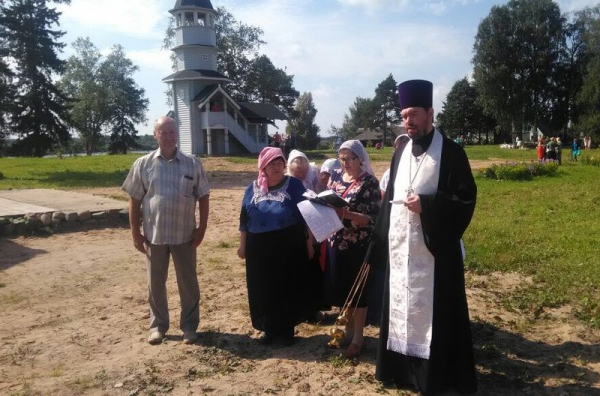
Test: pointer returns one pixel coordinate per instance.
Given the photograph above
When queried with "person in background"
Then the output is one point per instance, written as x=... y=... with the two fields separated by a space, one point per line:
x=346 y=249
x=519 y=143
x=559 y=150
x=276 y=139
x=425 y=339
x=541 y=149
x=165 y=186
x=575 y=149
x=276 y=245
x=551 y=149
x=327 y=168
x=299 y=167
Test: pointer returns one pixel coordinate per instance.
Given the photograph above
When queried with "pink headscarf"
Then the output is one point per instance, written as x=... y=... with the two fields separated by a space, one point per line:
x=267 y=155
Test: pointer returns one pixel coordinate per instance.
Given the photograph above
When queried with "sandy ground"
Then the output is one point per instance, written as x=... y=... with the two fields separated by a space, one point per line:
x=74 y=321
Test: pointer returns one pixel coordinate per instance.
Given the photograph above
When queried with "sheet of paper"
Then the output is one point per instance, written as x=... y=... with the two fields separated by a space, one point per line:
x=322 y=220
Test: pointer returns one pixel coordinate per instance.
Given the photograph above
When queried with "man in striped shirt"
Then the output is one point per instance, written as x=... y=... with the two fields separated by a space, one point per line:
x=164 y=188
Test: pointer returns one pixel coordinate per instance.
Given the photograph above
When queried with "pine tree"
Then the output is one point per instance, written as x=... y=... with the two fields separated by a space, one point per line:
x=127 y=101
x=303 y=123
x=40 y=109
x=387 y=110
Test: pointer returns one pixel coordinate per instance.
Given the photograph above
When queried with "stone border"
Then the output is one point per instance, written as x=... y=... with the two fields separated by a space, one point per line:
x=52 y=222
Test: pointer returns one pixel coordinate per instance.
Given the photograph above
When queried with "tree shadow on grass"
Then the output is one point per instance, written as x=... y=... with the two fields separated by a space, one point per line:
x=509 y=364
x=12 y=253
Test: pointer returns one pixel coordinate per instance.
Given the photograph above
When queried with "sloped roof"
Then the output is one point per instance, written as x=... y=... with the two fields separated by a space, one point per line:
x=194 y=3
x=368 y=134
x=197 y=74
x=206 y=93
x=263 y=110
x=209 y=91
x=377 y=134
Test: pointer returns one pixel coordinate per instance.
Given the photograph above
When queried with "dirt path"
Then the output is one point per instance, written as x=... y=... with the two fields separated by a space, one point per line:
x=74 y=318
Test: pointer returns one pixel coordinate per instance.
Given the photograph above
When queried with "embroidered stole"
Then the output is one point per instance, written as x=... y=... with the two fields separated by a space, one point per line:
x=411 y=263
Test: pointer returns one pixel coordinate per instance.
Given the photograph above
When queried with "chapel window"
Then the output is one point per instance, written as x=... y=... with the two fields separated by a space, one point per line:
x=189 y=18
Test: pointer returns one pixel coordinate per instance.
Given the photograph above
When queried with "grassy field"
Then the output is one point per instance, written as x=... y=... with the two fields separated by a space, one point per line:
x=547 y=228
x=65 y=173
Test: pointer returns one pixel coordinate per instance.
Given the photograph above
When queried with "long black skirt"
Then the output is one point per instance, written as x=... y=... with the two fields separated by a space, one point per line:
x=341 y=271
x=275 y=265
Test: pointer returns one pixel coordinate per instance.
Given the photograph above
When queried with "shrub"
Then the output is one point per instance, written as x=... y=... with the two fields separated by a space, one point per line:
x=593 y=160
x=520 y=171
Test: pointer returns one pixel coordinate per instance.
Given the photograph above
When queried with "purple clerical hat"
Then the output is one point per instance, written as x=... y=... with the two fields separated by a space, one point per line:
x=415 y=93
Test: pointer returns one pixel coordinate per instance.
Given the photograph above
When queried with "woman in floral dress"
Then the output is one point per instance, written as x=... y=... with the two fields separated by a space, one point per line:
x=347 y=248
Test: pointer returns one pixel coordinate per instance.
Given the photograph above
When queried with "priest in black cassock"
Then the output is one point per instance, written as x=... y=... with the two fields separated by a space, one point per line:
x=425 y=336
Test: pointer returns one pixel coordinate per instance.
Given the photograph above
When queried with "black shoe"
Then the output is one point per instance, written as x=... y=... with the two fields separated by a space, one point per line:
x=266 y=339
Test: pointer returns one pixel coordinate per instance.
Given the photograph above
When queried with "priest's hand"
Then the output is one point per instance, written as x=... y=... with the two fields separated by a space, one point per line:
x=413 y=203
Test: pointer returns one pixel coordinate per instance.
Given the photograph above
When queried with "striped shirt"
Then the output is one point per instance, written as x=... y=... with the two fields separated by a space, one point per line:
x=169 y=191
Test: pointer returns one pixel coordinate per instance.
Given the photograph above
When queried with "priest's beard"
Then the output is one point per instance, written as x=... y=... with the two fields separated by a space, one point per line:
x=419 y=132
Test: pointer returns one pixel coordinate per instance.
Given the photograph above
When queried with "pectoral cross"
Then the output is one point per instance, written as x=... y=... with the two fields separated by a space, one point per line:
x=409 y=192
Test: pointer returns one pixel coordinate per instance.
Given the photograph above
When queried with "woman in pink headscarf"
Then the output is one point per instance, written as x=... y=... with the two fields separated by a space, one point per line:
x=276 y=245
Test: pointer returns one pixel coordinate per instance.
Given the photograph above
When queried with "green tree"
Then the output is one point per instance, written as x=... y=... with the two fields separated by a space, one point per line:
x=39 y=109
x=589 y=96
x=360 y=115
x=238 y=44
x=269 y=84
x=568 y=77
x=7 y=94
x=127 y=100
x=458 y=112
x=303 y=123
x=462 y=115
x=386 y=108
x=83 y=81
x=516 y=53
x=107 y=99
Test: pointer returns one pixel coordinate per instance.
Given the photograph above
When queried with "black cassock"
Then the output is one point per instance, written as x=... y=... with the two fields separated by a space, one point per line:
x=444 y=217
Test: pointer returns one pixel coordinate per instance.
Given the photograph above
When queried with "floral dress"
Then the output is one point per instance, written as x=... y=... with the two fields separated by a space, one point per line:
x=347 y=248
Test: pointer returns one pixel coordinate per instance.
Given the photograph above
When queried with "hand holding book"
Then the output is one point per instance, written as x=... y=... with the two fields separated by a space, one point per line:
x=327 y=197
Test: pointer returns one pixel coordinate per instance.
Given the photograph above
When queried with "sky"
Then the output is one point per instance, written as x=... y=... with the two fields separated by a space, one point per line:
x=335 y=49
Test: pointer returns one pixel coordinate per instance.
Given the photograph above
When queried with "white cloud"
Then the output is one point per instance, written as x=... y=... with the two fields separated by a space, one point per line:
x=152 y=60
x=339 y=55
x=576 y=5
x=134 y=18
x=374 y=5
x=438 y=8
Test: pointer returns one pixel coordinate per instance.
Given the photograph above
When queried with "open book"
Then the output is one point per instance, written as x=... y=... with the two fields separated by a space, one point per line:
x=322 y=220
x=327 y=197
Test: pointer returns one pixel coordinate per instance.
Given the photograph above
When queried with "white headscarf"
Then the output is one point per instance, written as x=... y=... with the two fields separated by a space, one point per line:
x=311 y=175
x=358 y=149
x=293 y=155
x=330 y=164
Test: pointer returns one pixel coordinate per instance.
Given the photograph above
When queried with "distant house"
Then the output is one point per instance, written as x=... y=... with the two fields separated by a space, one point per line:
x=371 y=137
x=210 y=120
